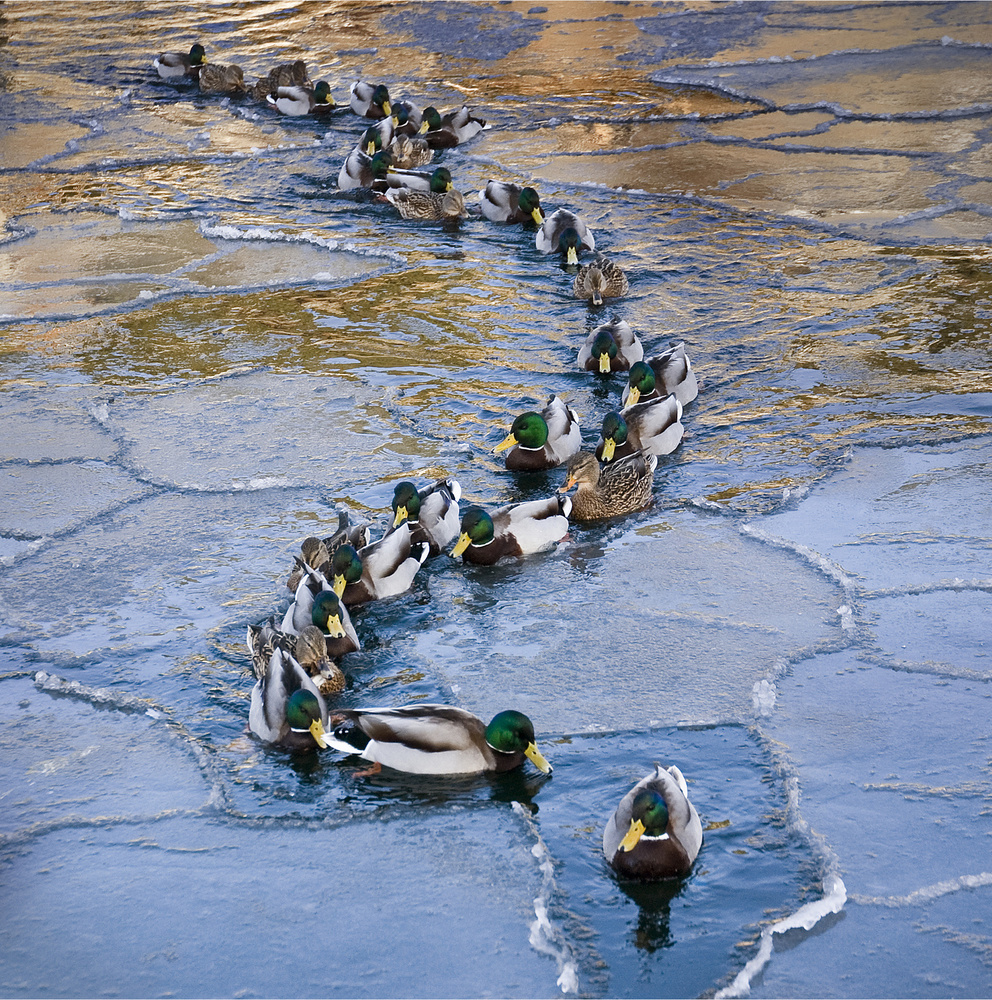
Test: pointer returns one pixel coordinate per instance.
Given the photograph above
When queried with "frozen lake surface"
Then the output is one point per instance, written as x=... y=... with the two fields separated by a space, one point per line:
x=208 y=350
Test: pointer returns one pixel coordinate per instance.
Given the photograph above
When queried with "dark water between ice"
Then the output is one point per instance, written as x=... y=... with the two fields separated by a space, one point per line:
x=207 y=350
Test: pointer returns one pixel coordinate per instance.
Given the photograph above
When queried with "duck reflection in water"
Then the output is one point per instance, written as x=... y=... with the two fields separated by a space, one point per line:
x=654 y=899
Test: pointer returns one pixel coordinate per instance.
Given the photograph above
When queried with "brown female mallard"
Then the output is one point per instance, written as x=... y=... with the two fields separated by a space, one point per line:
x=409 y=153
x=217 y=79
x=600 y=280
x=285 y=75
x=619 y=488
x=273 y=650
x=448 y=207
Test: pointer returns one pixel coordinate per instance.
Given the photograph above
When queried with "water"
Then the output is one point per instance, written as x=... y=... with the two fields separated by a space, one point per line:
x=208 y=350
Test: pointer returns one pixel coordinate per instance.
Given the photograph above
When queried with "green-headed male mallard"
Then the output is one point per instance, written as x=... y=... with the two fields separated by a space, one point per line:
x=427 y=206
x=287 y=708
x=382 y=569
x=655 y=832
x=176 y=66
x=316 y=604
x=653 y=427
x=436 y=181
x=619 y=488
x=512 y=531
x=407 y=118
x=565 y=233
x=316 y=551
x=600 y=280
x=504 y=202
x=377 y=136
x=662 y=375
x=298 y=101
x=542 y=440
x=612 y=347
x=369 y=101
x=451 y=129
x=432 y=512
x=360 y=170
x=437 y=739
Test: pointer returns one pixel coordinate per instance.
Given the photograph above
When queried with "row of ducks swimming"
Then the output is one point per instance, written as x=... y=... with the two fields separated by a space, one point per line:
x=655 y=831
x=389 y=153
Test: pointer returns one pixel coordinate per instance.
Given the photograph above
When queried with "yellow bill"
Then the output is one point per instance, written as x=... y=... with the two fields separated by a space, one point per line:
x=537 y=758
x=508 y=442
x=317 y=731
x=634 y=834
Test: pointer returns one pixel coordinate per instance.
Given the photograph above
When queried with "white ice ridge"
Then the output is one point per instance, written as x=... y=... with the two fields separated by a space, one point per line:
x=763 y=697
x=928 y=892
x=814 y=558
x=45 y=681
x=805 y=918
x=547 y=937
x=221 y=232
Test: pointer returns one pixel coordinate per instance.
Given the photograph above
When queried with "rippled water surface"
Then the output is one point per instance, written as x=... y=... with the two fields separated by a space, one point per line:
x=207 y=350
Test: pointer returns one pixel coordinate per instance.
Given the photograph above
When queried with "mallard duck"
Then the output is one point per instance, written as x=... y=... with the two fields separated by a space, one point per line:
x=298 y=101
x=653 y=427
x=376 y=137
x=510 y=203
x=360 y=170
x=305 y=647
x=286 y=706
x=383 y=569
x=565 y=233
x=436 y=181
x=407 y=118
x=217 y=79
x=515 y=530
x=618 y=488
x=285 y=75
x=452 y=129
x=667 y=373
x=408 y=153
x=600 y=280
x=437 y=739
x=176 y=66
x=316 y=604
x=613 y=347
x=542 y=440
x=316 y=551
x=370 y=101
x=432 y=513
x=448 y=207
x=655 y=832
